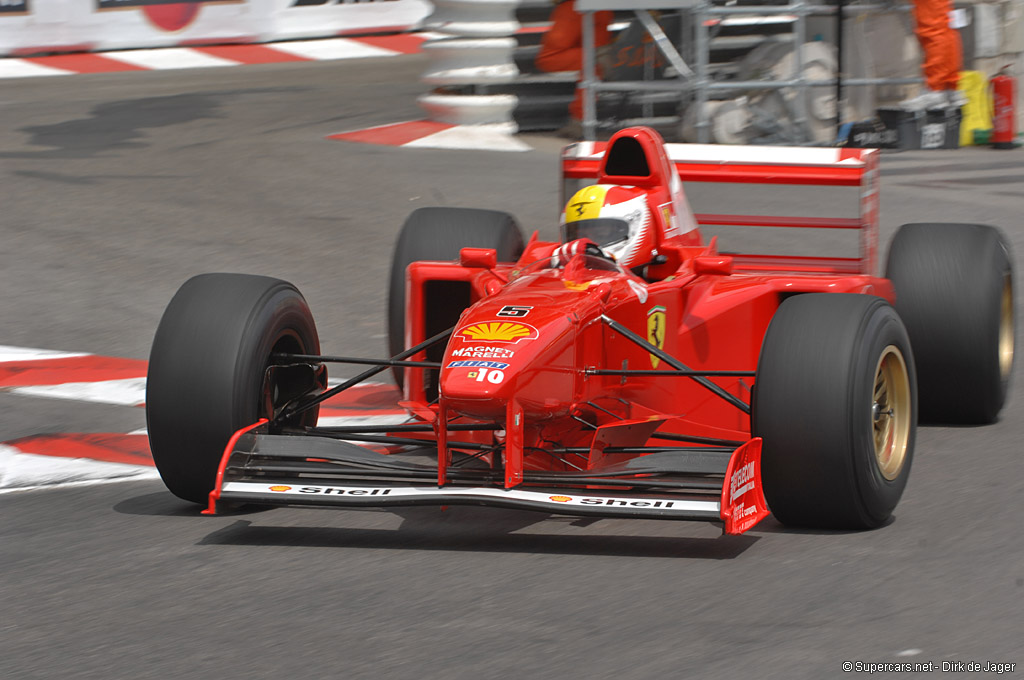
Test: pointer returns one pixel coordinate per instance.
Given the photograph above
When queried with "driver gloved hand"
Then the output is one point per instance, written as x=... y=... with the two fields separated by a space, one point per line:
x=581 y=246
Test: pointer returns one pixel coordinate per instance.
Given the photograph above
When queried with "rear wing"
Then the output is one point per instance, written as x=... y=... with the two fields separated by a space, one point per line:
x=766 y=165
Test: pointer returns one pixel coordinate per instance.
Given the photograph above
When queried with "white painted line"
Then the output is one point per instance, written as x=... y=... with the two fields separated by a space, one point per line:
x=19 y=68
x=25 y=471
x=474 y=137
x=9 y=353
x=332 y=48
x=169 y=58
x=126 y=392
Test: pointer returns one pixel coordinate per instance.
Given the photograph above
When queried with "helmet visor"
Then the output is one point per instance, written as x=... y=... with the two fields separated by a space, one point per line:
x=604 y=231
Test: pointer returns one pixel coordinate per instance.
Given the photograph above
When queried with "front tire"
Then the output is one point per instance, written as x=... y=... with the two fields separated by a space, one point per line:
x=207 y=368
x=954 y=292
x=836 y=405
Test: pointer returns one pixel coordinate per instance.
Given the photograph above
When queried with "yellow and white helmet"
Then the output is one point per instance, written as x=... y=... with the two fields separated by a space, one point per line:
x=616 y=218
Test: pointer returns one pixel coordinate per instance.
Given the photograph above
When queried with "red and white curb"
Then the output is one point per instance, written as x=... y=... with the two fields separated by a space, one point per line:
x=61 y=459
x=427 y=134
x=212 y=56
x=45 y=461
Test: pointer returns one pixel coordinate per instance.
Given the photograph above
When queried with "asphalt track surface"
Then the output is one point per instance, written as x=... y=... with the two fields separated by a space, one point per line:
x=116 y=188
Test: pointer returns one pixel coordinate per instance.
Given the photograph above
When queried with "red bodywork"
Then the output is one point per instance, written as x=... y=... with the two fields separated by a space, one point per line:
x=527 y=352
x=713 y=321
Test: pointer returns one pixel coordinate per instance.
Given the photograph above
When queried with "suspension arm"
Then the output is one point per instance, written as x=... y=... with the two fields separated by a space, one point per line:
x=675 y=363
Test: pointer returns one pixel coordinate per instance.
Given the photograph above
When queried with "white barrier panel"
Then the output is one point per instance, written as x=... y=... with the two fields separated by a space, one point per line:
x=41 y=26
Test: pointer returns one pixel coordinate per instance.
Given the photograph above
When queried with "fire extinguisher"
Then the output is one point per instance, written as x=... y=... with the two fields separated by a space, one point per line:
x=1004 y=129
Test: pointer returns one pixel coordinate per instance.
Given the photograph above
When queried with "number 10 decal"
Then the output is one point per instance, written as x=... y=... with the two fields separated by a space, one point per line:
x=493 y=375
x=514 y=310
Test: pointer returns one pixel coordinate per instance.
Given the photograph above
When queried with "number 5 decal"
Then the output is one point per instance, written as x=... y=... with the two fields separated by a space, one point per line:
x=513 y=310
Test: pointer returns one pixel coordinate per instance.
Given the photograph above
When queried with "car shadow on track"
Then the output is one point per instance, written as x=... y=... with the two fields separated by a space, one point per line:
x=492 y=531
x=163 y=504
x=468 y=528
x=770 y=525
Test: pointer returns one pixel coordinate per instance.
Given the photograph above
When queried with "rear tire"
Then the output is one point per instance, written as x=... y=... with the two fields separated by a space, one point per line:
x=439 y=234
x=954 y=292
x=835 y=403
x=207 y=367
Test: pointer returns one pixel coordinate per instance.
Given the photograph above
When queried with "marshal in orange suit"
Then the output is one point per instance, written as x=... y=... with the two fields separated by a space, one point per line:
x=940 y=43
x=562 y=46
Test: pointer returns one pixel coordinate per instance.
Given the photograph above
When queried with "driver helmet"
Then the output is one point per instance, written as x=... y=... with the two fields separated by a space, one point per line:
x=616 y=218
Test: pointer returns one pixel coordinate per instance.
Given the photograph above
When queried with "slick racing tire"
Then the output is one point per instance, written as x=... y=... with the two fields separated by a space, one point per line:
x=439 y=234
x=954 y=292
x=207 y=369
x=835 y=402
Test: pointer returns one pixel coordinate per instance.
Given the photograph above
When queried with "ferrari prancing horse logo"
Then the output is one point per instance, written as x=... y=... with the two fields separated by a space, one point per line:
x=656 y=331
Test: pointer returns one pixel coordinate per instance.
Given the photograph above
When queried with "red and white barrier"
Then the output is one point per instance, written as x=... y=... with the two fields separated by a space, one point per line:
x=29 y=27
x=211 y=55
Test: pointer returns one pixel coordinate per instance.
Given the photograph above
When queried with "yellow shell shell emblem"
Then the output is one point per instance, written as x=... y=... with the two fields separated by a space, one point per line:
x=656 y=331
x=498 y=331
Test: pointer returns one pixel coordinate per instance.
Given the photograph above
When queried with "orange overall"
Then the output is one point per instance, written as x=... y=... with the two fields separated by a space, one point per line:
x=939 y=42
x=562 y=46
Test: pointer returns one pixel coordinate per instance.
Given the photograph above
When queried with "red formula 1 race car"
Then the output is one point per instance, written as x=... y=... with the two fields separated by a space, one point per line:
x=630 y=370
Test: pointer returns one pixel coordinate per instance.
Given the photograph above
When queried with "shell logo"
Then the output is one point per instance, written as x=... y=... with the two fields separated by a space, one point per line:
x=280 y=488
x=560 y=499
x=498 y=331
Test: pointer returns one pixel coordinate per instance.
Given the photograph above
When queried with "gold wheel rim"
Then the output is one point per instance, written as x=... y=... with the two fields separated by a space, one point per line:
x=1006 y=329
x=891 y=412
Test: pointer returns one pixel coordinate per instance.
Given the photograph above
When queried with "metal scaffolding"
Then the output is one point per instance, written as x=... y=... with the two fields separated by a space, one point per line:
x=696 y=84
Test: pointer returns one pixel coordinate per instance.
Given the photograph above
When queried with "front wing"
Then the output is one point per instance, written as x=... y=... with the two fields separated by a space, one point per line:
x=303 y=470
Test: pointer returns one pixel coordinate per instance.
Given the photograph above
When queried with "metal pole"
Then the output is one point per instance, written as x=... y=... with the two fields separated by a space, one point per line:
x=589 y=77
x=800 y=124
x=839 y=66
x=700 y=100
